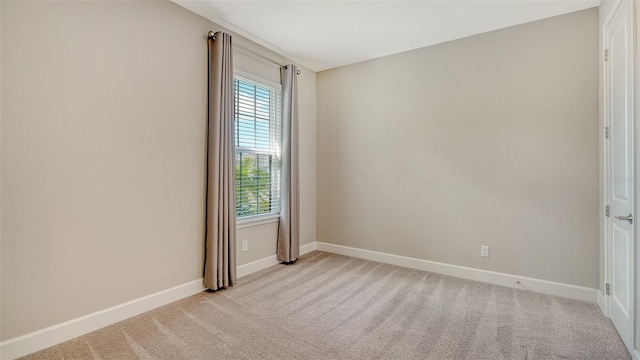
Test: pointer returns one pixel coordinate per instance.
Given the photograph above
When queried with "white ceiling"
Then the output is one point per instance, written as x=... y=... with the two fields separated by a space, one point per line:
x=322 y=35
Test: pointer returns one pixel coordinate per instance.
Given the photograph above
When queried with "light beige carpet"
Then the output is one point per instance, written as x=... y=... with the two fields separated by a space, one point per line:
x=329 y=306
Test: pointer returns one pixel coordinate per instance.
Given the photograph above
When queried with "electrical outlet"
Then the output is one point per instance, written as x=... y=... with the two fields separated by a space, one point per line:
x=484 y=251
x=245 y=245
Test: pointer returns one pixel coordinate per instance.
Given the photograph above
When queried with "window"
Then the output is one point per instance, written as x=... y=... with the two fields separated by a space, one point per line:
x=257 y=137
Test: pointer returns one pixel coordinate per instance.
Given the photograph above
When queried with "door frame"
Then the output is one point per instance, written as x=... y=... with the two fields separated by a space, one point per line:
x=603 y=299
x=604 y=195
x=635 y=12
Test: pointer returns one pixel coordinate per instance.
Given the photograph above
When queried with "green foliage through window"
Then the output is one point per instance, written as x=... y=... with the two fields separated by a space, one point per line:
x=254 y=187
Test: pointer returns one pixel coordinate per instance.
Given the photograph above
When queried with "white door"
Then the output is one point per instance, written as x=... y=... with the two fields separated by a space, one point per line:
x=621 y=172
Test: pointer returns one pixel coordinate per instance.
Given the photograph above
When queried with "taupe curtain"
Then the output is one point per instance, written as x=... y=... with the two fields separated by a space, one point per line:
x=220 y=243
x=289 y=227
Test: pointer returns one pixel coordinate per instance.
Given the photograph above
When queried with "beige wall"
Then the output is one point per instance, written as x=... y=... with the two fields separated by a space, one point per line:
x=488 y=140
x=102 y=150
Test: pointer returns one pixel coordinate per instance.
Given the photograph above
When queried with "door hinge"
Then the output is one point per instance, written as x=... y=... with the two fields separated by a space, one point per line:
x=606 y=55
x=606 y=132
x=606 y=211
x=607 y=289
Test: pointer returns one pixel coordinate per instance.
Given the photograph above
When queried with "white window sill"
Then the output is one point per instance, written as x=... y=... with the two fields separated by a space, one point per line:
x=256 y=220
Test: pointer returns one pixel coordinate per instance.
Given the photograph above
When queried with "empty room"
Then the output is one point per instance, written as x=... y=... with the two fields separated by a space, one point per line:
x=203 y=179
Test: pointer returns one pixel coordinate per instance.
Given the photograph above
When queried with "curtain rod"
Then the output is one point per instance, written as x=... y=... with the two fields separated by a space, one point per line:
x=246 y=49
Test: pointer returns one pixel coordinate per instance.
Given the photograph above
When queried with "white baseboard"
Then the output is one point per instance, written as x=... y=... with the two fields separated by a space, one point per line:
x=537 y=285
x=602 y=303
x=56 y=334
x=41 y=339
x=255 y=266
x=305 y=249
x=44 y=338
x=261 y=264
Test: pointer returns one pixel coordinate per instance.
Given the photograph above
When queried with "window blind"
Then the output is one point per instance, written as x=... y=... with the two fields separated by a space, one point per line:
x=257 y=137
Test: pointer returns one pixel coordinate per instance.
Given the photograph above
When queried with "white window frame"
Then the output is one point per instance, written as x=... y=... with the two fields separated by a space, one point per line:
x=261 y=219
